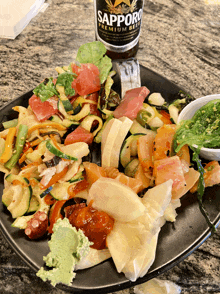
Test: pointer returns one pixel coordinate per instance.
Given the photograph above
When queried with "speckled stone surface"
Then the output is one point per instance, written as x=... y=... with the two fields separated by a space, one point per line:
x=179 y=40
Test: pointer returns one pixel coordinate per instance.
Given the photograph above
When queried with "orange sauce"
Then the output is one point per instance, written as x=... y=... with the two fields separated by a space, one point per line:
x=95 y=224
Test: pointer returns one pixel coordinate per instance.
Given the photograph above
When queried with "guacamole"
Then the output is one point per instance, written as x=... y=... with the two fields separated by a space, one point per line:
x=67 y=247
x=202 y=130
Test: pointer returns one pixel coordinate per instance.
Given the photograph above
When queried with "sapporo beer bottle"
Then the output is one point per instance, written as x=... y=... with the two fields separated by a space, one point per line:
x=118 y=24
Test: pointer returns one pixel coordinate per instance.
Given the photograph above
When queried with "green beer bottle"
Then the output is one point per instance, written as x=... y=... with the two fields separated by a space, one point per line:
x=117 y=25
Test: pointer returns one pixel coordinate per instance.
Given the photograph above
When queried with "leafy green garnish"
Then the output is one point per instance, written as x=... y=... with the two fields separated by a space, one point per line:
x=91 y=52
x=201 y=187
x=45 y=90
x=65 y=79
x=203 y=129
x=94 y=52
x=190 y=133
x=104 y=66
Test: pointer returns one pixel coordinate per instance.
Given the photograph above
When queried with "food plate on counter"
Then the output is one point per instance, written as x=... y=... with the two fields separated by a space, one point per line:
x=176 y=240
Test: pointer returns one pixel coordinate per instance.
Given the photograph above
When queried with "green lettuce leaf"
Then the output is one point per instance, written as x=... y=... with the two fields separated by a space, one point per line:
x=91 y=52
x=94 y=52
x=65 y=79
x=104 y=66
x=45 y=90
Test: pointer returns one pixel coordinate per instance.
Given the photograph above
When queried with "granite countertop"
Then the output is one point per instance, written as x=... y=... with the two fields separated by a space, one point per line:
x=179 y=40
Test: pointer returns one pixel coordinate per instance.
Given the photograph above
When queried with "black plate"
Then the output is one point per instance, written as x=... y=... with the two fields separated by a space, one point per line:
x=176 y=241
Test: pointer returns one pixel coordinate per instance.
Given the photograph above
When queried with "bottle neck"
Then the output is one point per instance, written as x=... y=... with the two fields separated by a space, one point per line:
x=124 y=55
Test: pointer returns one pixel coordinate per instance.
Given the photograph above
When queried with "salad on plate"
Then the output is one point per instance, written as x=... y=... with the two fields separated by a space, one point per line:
x=90 y=210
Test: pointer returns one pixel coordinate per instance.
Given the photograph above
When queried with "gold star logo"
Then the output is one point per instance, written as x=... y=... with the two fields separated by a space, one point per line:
x=117 y=2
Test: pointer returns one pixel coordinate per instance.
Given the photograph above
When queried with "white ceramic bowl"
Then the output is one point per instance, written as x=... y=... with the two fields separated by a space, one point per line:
x=189 y=111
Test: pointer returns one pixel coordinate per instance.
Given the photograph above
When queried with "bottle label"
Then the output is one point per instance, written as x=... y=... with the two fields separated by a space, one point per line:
x=118 y=23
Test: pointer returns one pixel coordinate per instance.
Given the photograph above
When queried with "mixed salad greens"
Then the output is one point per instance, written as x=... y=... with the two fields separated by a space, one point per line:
x=117 y=206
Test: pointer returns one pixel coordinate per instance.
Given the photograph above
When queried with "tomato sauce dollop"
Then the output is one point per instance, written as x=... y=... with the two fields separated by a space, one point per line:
x=95 y=224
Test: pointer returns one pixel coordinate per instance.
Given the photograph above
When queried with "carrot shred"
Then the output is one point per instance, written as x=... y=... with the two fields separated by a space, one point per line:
x=55 y=178
x=17 y=182
x=74 y=189
x=165 y=117
x=36 y=142
x=55 y=142
x=26 y=147
x=55 y=215
x=46 y=125
x=23 y=156
x=49 y=200
x=33 y=182
x=30 y=165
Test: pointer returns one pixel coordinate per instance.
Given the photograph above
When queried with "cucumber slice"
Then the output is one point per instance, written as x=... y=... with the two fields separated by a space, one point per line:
x=79 y=176
x=11 y=177
x=174 y=113
x=149 y=108
x=76 y=179
x=65 y=122
x=21 y=201
x=133 y=148
x=60 y=191
x=131 y=168
x=68 y=123
x=155 y=123
x=156 y=99
x=57 y=152
x=37 y=191
x=136 y=128
x=76 y=150
x=83 y=112
x=35 y=187
x=21 y=221
x=98 y=137
x=65 y=101
x=34 y=204
x=56 y=119
x=7 y=195
x=67 y=105
x=125 y=155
